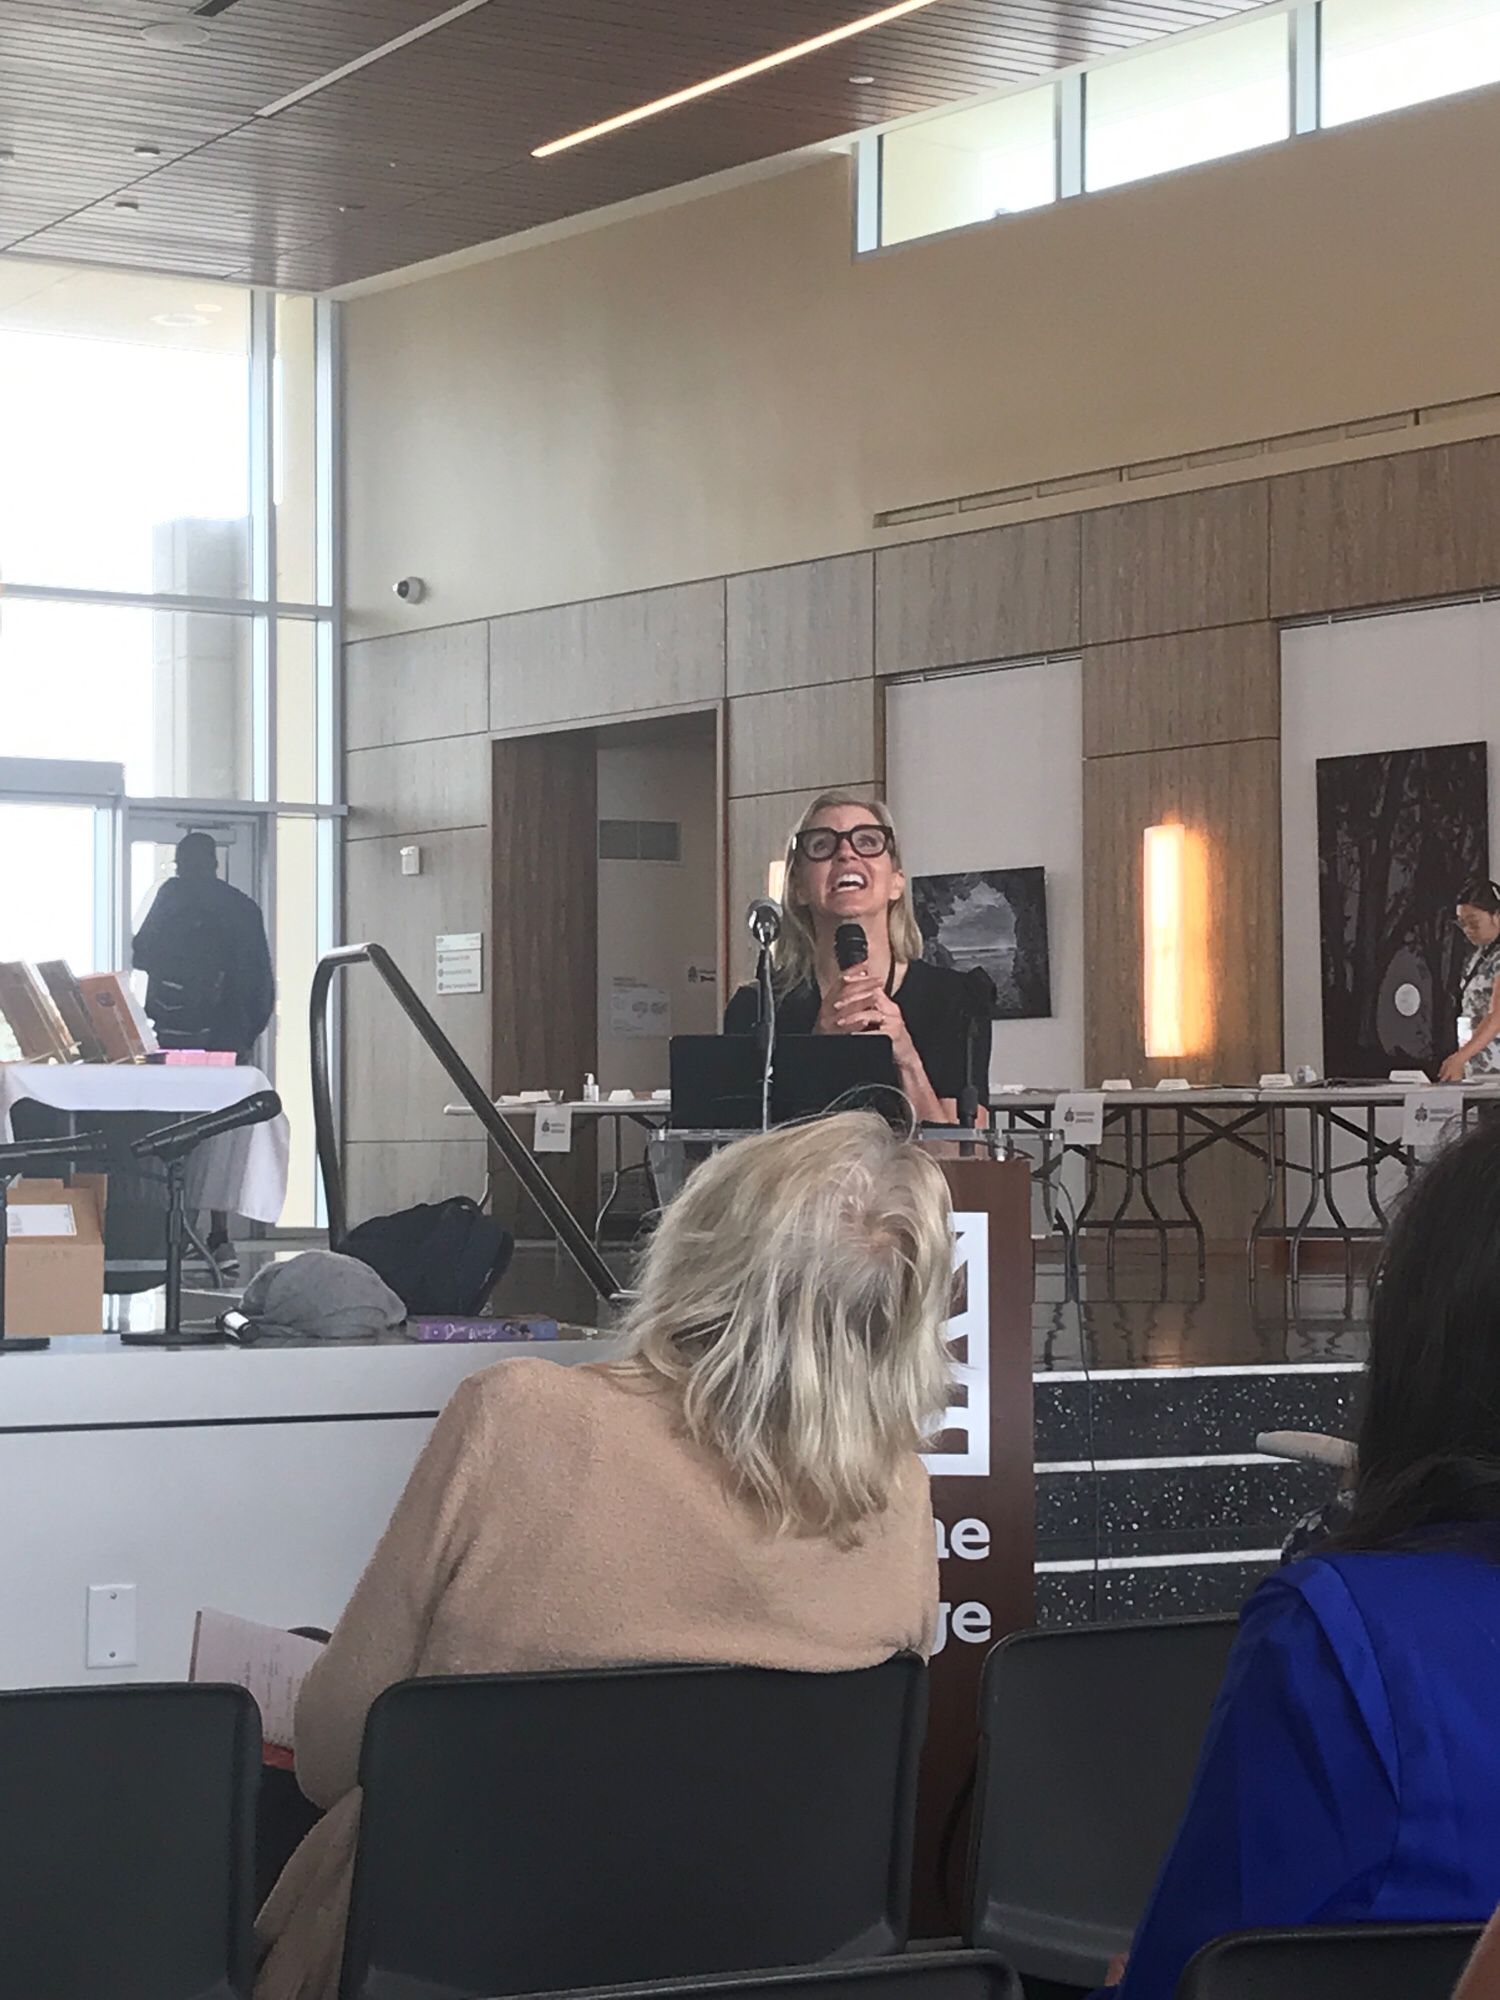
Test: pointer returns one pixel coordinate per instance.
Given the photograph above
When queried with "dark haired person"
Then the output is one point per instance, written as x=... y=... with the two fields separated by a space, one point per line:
x=843 y=866
x=1478 y=1055
x=1351 y=1768
x=203 y=948
x=209 y=983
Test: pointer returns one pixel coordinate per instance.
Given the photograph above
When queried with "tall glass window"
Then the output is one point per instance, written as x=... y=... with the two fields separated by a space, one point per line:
x=995 y=159
x=1184 y=102
x=164 y=523
x=1381 y=54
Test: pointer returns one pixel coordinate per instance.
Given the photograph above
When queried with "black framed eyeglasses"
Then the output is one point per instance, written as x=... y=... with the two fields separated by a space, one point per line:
x=821 y=843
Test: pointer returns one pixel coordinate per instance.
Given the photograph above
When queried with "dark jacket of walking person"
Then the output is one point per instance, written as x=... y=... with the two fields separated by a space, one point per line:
x=203 y=948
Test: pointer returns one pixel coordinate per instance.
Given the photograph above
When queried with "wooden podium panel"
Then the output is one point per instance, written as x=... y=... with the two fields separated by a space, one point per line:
x=983 y=1500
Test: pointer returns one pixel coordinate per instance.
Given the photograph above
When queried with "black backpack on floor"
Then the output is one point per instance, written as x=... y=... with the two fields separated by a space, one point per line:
x=441 y=1258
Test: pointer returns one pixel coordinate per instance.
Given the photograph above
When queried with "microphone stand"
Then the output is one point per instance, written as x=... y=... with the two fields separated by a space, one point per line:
x=765 y=1032
x=968 y=1097
x=174 y=1146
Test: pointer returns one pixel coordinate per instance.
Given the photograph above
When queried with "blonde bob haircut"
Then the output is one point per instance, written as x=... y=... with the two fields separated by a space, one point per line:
x=795 y=953
x=795 y=1297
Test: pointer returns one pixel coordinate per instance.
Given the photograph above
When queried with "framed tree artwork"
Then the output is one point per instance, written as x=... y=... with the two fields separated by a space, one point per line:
x=1399 y=834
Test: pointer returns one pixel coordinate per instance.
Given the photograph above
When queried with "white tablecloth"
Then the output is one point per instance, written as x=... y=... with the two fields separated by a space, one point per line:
x=242 y=1172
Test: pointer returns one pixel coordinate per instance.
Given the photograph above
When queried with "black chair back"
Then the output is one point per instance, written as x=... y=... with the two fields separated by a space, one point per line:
x=547 y=1831
x=1088 y=1743
x=127 y=1821
x=917 y=1975
x=1344 y=1962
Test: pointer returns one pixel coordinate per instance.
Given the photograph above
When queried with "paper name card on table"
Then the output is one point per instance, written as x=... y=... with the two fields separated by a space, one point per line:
x=554 y=1129
x=1430 y=1118
x=270 y=1663
x=1080 y=1118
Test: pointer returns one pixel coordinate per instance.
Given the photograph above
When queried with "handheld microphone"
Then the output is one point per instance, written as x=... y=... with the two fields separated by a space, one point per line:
x=764 y=920
x=170 y=1142
x=850 y=946
x=19 y=1156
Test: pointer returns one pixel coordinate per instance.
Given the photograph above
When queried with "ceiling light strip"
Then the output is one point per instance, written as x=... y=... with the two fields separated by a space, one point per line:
x=757 y=68
x=371 y=56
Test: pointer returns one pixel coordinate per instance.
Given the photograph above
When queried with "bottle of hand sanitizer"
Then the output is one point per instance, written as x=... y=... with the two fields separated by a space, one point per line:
x=590 y=1089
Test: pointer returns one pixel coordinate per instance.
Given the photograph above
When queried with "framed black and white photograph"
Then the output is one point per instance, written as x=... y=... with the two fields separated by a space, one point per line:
x=1400 y=832
x=994 y=919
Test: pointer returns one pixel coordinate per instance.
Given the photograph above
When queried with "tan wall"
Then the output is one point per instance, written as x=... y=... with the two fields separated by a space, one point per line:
x=721 y=386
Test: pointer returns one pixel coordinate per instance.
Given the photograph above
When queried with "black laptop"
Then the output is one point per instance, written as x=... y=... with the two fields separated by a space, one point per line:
x=716 y=1079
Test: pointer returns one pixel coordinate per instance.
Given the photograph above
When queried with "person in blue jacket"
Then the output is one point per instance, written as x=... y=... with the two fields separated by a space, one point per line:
x=1351 y=1767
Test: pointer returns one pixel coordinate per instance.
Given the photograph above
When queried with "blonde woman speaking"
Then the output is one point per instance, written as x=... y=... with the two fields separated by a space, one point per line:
x=843 y=868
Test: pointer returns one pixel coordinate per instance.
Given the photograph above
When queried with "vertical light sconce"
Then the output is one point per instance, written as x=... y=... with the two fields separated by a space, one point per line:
x=776 y=880
x=1164 y=884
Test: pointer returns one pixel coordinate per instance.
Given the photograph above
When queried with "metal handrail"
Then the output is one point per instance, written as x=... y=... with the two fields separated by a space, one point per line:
x=564 y=1224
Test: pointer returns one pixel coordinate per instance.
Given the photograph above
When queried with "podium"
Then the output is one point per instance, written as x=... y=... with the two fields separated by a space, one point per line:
x=983 y=1501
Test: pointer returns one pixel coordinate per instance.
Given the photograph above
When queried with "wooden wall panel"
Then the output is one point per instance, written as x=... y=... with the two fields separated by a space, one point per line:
x=999 y=594
x=796 y=626
x=786 y=741
x=545 y=979
x=414 y=685
x=393 y=1089
x=418 y=788
x=611 y=656
x=1175 y=565
x=1230 y=793
x=1184 y=688
x=1386 y=530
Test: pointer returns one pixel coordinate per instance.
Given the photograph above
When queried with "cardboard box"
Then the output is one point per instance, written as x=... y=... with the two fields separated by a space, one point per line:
x=54 y=1257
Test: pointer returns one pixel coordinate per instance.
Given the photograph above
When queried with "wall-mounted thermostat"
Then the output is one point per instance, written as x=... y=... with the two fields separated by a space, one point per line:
x=411 y=860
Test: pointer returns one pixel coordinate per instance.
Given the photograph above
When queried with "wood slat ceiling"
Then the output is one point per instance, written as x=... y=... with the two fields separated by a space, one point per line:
x=428 y=150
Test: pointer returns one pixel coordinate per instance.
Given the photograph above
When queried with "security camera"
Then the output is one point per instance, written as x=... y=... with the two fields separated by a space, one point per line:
x=411 y=589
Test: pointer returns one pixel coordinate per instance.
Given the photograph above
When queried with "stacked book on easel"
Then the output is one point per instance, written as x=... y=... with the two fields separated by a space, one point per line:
x=47 y=1015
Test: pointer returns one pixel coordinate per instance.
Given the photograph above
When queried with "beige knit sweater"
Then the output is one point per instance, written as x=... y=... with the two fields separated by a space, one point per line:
x=558 y=1518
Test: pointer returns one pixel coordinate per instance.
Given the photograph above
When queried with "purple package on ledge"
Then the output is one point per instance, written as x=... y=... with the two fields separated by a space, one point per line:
x=520 y=1326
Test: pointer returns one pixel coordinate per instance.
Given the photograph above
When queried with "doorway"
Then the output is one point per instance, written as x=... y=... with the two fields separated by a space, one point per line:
x=608 y=879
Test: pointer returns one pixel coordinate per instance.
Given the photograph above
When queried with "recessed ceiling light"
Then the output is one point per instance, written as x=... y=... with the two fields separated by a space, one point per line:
x=174 y=34
x=761 y=64
x=128 y=202
x=179 y=319
x=207 y=306
x=861 y=79
x=350 y=207
x=145 y=152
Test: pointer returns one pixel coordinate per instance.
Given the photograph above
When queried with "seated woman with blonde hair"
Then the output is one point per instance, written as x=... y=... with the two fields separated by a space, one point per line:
x=743 y=1487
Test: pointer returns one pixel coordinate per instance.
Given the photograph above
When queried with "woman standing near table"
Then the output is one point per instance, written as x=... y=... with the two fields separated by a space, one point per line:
x=1477 y=1058
x=843 y=866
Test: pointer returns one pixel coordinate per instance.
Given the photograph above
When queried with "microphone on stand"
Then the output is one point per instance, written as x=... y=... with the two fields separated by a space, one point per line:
x=764 y=920
x=170 y=1142
x=850 y=946
x=24 y=1156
